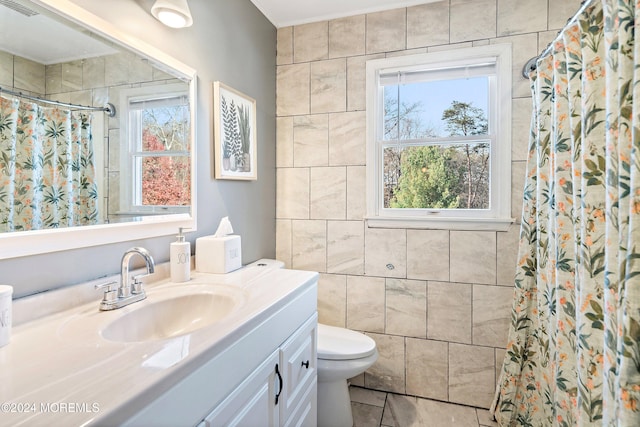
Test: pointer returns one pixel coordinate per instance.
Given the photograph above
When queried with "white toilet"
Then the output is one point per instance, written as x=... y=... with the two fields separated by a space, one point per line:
x=342 y=354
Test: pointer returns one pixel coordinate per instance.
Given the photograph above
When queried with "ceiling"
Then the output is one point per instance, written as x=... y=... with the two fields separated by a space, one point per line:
x=283 y=13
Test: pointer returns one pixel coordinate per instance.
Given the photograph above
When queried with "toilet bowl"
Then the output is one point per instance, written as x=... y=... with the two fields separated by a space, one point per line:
x=342 y=354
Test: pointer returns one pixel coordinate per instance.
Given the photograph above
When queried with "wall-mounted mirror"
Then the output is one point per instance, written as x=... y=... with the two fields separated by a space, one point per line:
x=73 y=177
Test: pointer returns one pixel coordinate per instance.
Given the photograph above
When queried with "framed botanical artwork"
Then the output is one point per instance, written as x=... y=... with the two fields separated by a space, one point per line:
x=234 y=128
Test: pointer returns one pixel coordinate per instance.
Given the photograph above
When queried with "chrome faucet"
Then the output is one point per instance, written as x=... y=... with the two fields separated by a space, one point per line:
x=128 y=292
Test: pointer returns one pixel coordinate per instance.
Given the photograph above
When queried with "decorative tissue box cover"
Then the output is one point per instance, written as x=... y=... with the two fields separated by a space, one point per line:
x=218 y=255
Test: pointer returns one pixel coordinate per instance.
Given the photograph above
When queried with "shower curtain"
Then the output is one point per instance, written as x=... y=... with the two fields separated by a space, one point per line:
x=47 y=171
x=573 y=355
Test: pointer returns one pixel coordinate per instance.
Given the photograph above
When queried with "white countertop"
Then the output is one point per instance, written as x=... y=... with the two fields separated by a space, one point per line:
x=58 y=370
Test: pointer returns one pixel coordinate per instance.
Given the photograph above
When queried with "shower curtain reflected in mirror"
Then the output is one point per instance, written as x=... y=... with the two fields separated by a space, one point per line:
x=573 y=356
x=47 y=170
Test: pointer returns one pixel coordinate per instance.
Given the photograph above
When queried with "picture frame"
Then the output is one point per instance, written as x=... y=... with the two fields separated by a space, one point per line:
x=234 y=129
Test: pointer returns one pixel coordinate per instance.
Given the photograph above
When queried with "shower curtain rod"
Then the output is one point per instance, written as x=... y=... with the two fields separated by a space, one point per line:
x=531 y=64
x=109 y=108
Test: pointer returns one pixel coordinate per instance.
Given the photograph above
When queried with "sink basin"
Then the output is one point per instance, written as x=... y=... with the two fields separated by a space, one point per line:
x=171 y=317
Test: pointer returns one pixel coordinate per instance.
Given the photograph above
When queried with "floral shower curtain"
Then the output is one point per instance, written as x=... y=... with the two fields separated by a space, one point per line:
x=47 y=171
x=573 y=355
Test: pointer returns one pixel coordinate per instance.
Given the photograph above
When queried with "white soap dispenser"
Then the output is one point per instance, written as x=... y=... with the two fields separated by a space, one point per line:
x=180 y=259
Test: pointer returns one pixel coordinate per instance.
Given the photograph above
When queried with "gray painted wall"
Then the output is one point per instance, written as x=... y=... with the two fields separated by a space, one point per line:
x=230 y=41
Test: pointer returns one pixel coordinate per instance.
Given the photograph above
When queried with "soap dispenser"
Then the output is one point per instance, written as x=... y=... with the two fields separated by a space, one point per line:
x=180 y=259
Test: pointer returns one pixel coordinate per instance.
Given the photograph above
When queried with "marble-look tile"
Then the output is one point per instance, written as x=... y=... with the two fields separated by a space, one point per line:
x=508 y=255
x=283 y=241
x=357 y=81
x=518 y=176
x=100 y=96
x=284 y=142
x=561 y=11
x=485 y=419
x=309 y=245
x=82 y=97
x=518 y=17
x=473 y=257
x=347 y=36
x=356 y=192
x=428 y=254
x=311 y=42
x=500 y=354
x=386 y=31
x=114 y=149
x=93 y=73
x=521 y=109
x=407 y=52
x=53 y=78
x=472 y=20
x=284 y=46
x=368 y=397
x=345 y=247
x=29 y=75
x=357 y=381
x=114 y=192
x=471 y=375
x=116 y=69
x=385 y=252
x=524 y=47
x=406 y=308
x=328 y=194
x=545 y=38
x=365 y=303
x=408 y=411
x=446 y=47
x=388 y=372
x=332 y=300
x=6 y=69
x=293 y=89
x=140 y=70
x=311 y=140
x=292 y=193
x=347 y=138
x=427 y=368
x=491 y=315
x=329 y=86
x=71 y=76
x=366 y=415
x=428 y=24
x=449 y=311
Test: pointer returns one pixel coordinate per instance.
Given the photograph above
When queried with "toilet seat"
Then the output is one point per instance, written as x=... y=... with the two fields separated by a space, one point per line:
x=343 y=344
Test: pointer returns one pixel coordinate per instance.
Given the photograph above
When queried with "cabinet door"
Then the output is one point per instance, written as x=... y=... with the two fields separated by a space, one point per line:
x=253 y=402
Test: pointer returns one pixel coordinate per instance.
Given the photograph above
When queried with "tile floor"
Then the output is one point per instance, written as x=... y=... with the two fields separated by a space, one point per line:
x=379 y=409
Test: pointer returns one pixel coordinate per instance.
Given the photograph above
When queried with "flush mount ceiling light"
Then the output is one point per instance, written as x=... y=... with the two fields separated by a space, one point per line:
x=172 y=13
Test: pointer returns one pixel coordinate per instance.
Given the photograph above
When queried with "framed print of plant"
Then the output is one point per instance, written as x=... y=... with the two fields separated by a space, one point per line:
x=234 y=128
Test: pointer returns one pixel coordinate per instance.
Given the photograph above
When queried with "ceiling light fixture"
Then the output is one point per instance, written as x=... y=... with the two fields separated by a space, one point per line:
x=172 y=13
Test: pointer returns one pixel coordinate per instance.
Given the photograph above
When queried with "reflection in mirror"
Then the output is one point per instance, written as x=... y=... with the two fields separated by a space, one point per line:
x=67 y=166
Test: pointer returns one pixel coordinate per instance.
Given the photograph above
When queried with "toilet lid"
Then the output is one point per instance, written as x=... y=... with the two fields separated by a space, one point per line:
x=342 y=344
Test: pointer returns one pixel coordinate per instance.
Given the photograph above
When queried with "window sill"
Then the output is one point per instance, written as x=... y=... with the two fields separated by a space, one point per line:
x=469 y=224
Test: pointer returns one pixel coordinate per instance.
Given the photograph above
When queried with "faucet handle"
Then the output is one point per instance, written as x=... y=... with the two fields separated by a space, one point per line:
x=136 y=284
x=110 y=294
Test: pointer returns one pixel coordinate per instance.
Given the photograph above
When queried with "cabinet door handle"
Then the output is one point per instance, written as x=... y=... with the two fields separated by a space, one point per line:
x=306 y=364
x=280 y=381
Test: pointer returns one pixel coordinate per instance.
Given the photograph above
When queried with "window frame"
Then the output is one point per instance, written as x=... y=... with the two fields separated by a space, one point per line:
x=498 y=217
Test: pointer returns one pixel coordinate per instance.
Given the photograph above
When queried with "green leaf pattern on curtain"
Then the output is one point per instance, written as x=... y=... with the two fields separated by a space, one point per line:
x=573 y=356
x=47 y=168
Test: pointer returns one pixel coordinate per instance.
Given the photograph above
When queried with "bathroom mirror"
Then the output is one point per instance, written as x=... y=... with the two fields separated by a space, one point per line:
x=147 y=146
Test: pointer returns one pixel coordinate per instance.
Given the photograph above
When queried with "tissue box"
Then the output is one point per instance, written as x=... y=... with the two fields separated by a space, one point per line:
x=218 y=254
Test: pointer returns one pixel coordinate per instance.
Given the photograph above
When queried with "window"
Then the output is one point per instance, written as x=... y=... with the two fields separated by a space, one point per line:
x=156 y=164
x=439 y=139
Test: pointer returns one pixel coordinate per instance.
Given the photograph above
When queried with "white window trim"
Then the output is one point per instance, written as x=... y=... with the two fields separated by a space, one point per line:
x=501 y=153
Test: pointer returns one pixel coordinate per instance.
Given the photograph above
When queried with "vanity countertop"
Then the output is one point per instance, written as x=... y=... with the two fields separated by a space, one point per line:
x=59 y=370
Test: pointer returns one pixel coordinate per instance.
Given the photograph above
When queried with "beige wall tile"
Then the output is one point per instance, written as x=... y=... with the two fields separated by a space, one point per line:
x=406 y=308
x=309 y=245
x=328 y=193
x=30 y=76
x=284 y=142
x=471 y=375
x=284 y=46
x=356 y=81
x=386 y=31
x=388 y=372
x=500 y=354
x=71 y=76
x=283 y=241
x=140 y=70
x=329 y=86
x=449 y=311
x=428 y=254
x=518 y=176
x=356 y=192
x=6 y=69
x=508 y=255
x=523 y=48
x=428 y=24
x=53 y=76
x=347 y=36
x=472 y=20
x=427 y=368
x=116 y=69
x=561 y=11
x=345 y=247
x=365 y=303
x=473 y=257
x=311 y=140
x=491 y=315
x=293 y=89
x=292 y=193
x=385 y=252
x=520 y=127
x=311 y=42
x=347 y=138
x=516 y=17
x=332 y=300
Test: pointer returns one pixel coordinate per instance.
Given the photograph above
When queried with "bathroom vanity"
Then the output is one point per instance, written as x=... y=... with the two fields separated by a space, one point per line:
x=219 y=349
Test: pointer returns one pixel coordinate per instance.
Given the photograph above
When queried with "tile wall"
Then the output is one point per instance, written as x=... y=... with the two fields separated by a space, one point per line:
x=440 y=316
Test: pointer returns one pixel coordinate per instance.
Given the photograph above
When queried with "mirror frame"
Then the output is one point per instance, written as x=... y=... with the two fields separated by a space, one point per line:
x=34 y=242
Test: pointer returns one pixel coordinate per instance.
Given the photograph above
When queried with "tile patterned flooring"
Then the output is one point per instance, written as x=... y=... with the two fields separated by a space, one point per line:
x=379 y=409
